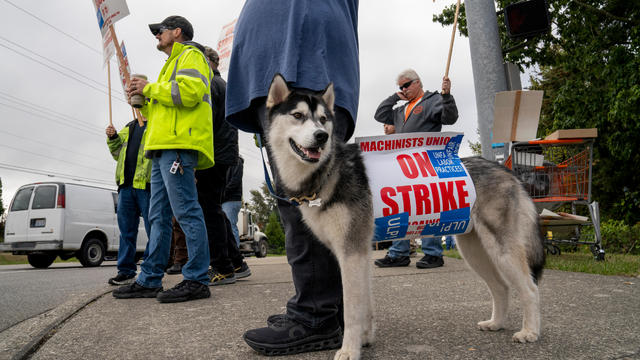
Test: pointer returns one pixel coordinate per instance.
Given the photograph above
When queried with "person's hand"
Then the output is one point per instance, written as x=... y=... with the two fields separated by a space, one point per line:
x=110 y=131
x=401 y=95
x=446 y=85
x=135 y=87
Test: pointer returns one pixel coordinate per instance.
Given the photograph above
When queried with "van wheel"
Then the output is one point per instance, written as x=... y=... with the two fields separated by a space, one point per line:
x=91 y=253
x=41 y=261
x=261 y=249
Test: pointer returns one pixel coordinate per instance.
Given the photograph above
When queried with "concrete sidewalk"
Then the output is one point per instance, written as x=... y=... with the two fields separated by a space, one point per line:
x=420 y=314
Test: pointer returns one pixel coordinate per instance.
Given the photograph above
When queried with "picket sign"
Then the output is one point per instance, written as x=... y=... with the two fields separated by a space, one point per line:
x=225 y=43
x=419 y=185
x=108 y=12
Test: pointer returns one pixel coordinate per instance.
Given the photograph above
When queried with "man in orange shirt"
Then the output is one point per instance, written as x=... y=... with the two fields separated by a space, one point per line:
x=422 y=112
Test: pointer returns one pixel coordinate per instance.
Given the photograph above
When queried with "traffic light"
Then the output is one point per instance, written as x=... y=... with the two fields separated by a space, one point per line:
x=527 y=18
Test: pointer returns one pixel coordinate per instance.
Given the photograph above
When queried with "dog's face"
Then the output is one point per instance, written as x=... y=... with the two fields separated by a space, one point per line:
x=301 y=124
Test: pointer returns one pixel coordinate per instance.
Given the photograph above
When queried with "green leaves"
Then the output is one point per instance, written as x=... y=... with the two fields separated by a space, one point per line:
x=590 y=73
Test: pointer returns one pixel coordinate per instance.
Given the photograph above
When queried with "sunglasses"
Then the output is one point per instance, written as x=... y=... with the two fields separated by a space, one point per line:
x=161 y=29
x=406 y=85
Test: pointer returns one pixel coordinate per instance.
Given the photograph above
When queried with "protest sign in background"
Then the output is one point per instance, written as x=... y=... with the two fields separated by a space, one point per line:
x=224 y=45
x=419 y=185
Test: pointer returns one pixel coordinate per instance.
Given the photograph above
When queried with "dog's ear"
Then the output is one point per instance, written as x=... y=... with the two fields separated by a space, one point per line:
x=329 y=96
x=278 y=91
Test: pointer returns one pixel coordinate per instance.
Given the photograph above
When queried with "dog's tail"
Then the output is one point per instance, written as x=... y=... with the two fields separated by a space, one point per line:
x=536 y=256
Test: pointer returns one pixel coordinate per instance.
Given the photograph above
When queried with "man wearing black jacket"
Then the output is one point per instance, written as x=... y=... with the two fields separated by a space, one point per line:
x=227 y=264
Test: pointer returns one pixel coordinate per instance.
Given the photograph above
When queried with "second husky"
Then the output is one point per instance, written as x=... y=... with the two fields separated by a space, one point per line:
x=328 y=177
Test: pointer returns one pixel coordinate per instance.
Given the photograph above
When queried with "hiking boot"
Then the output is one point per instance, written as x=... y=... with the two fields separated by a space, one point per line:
x=134 y=290
x=174 y=269
x=215 y=278
x=242 y=271
x=429 y=262
x=388 y=261
x=184 y=291
x=122 y=279
x=287 y=336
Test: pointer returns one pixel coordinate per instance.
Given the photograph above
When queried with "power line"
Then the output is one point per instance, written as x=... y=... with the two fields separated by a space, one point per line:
x=60 y=72
x=55 y=28
x=56 y=159
x=53 y=174
x=92 y=158
x=62 y=66
x=40 y=108
x=45 y=118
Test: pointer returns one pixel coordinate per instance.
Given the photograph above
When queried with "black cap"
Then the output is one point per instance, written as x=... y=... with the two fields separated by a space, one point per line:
x=174 y=22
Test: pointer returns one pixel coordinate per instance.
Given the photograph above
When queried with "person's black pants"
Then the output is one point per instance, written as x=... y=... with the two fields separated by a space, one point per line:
x=223 y=249
x=315 y=270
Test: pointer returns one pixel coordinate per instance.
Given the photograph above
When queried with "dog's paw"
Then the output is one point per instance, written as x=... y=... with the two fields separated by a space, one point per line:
x=489 y=325
x=525 y=336
x=344 y=354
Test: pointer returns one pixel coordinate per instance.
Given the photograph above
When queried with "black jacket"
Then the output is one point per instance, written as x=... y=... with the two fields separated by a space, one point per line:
x=233 y=191
x=225 y=135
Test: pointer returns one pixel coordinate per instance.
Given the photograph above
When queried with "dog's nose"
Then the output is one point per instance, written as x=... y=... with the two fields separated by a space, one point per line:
x=321 y=136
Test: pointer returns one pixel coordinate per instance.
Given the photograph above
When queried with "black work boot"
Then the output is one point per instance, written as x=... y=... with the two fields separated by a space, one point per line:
x=134 y=290
x=285 y=336
x=184 y=291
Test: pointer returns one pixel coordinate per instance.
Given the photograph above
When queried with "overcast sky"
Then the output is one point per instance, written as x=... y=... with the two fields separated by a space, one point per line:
x=53 y=101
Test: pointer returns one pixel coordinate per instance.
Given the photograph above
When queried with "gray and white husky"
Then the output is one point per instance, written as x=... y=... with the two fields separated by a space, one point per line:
x=505 y=246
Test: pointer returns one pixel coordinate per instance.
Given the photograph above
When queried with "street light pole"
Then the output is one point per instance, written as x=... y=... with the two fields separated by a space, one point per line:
x=487 y=64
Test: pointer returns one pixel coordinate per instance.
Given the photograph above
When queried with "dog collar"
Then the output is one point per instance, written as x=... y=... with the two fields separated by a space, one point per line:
x=312 y=200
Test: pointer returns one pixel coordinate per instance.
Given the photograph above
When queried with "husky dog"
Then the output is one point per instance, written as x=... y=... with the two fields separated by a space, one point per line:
x=329 y=179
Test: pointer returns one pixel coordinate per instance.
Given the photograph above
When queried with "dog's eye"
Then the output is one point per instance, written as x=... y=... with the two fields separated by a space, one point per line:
x=298 y=115
x=323 y=119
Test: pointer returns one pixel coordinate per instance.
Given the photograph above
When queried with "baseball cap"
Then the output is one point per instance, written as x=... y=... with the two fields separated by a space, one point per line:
x=174 y=22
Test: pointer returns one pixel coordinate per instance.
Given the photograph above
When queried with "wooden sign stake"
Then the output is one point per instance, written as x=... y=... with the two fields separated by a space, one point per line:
x=453 y=35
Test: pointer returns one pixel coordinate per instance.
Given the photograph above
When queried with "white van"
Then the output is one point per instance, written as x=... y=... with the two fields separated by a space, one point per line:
x=50 y=219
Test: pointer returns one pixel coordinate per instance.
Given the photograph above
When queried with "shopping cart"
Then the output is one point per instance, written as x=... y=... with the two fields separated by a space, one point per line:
x=557 y=174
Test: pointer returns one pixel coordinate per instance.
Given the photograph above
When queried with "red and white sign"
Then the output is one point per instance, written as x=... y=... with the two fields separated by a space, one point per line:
x=122 y=66
x=108 y=49
x=225 y=43
x=109 y=11
x=419 y=185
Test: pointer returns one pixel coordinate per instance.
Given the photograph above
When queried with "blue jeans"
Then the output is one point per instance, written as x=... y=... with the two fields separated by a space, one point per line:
x=449 y=242
x=175 y=194
x=430 y=246
x=231 y=209
x=132 y=203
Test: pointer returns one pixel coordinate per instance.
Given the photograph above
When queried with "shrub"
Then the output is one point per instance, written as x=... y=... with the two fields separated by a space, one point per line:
x=618 y=237
x=275 y=234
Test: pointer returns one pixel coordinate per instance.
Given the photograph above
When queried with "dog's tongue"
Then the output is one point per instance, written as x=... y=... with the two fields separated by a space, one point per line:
x=311 y=153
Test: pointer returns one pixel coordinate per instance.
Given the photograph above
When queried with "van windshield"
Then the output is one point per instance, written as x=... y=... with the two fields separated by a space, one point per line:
x=21 y=200
x=45 y=197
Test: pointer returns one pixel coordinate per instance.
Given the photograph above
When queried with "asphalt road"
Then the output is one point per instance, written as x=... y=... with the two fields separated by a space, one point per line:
x=26 y=292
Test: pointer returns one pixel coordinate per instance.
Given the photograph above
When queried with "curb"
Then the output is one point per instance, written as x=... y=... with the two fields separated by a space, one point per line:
x=24 y=338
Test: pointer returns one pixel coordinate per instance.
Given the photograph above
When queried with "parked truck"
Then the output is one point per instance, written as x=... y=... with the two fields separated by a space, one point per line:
x=252 y=240
x=50 y=219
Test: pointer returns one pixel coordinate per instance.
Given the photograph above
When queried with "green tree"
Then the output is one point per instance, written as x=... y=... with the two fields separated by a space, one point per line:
x=274 y=233
x=589 y=70
x=262 y=204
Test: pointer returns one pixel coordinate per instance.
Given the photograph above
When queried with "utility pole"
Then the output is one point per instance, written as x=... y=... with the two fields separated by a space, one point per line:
x=487 y=64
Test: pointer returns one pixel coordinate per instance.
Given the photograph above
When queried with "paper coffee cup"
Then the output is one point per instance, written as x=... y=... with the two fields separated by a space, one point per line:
x=137 y=101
